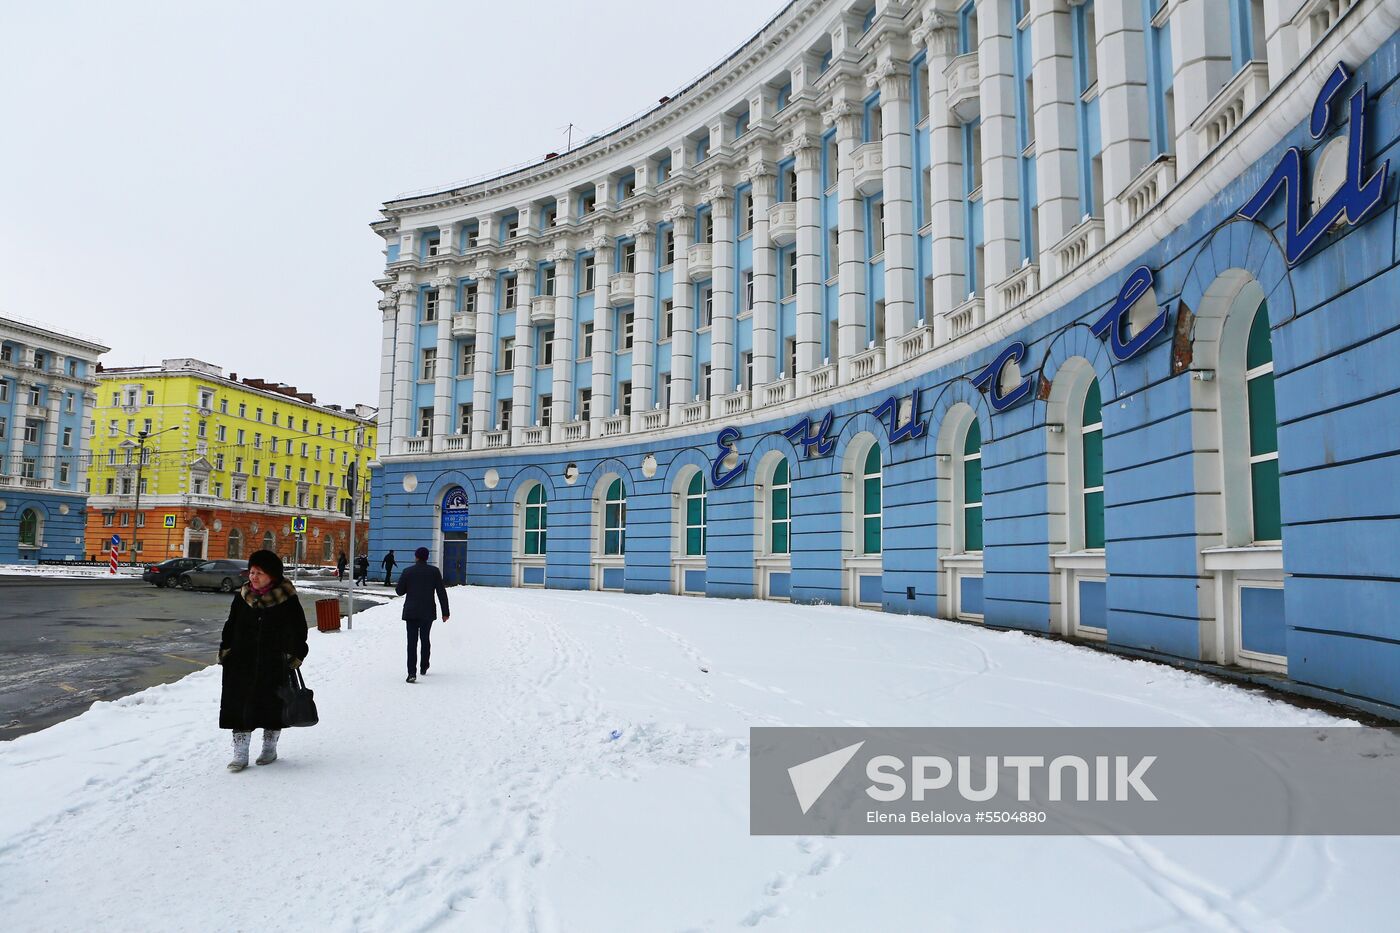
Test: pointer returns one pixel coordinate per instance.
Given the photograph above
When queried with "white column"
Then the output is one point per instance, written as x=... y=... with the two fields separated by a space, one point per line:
x=385 y=417
x=1056 y=127
x=484 y=374
x=48 y=463
x=683 y=310
x=1123 y=119
x=1001 y=184
x=1281 y=40
x=446 y=364
x=522 y=396
x=643 y=323
x=807 y=150
x=765 y=283
x=945 y=175
x=18 y=415
x=407 y=294
x=722 y=328
x=1201 y=58
x=892 y=78
x=602 y=334
x=847 y=116
x=563 y=378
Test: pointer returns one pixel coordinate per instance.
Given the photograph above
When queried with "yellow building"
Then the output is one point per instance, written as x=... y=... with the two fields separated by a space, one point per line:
x=228 y=465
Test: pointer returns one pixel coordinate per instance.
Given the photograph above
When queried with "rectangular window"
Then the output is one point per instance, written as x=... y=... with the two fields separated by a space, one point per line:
x=218 y=460
x=747 y=371
x=668 y=247
x=469 y=298
x=546 y=410
x=790 y=274
x=430 y=305
x=242 y=410
x=468 y=368
x=747 y=295
x=429 y=368
x=464 y=419
x=258 y=415
x=503 y=423
x=508 y=296
x=507 y=354
x=790 y=356
x=707 y=306
x=585 y=404
x=587 y=341
x=668 y=319
x=745 y=212
x=67 y=437
x=425 y=423
x=625 y=391
x=625 y=335
x=240 y=437
x=629 y=256
x=705 y=382
x=665 y=393
x=587 y=279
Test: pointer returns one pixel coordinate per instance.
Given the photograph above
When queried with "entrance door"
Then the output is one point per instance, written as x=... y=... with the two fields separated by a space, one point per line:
x=196 y=548
x=454 y=561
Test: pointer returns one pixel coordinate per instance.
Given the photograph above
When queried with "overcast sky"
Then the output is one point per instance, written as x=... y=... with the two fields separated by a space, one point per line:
x=196 y=179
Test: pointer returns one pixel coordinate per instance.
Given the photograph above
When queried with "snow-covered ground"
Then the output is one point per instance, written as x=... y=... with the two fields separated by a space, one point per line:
x=490 y=796
x=59 y=571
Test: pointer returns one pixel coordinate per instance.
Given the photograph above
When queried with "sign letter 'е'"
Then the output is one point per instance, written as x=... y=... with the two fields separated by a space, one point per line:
x=989 y=379
x=727 y=442
x=1115 y=321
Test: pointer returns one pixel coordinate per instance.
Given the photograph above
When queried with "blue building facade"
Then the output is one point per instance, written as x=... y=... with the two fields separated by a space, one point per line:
x=47 y=381
x=1181 y=440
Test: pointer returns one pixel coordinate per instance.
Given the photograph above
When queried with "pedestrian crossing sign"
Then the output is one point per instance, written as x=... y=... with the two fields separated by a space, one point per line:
x=299 y=525
x=170 y=520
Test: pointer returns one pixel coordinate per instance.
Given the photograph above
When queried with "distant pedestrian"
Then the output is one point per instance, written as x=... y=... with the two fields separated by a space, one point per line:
x=340 y=566
x=264 y=639
x=419 y=583
x=388 y=564
x=361 y=569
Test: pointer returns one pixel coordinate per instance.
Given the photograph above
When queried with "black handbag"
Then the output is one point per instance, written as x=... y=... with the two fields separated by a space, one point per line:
x=298 y=703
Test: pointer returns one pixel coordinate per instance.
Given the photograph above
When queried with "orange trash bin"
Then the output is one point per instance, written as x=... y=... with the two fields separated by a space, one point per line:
x=328 y=615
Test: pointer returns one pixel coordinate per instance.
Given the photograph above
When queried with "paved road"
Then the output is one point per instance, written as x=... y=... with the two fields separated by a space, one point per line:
x=67 y=643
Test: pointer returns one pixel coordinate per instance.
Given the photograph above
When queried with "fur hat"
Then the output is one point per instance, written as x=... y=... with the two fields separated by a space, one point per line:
x=268 y=562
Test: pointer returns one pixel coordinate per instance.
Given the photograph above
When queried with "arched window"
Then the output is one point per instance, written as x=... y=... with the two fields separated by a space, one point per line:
x=1091 y=445
x=695 y=516
x=1266 y=516
x=29 y=528
x=779 y=510
x=235 y=544
x=327 y=550
x=870 y=502
x=970 y=462
x=536 y=521
x=269 y=541
x=615 y=519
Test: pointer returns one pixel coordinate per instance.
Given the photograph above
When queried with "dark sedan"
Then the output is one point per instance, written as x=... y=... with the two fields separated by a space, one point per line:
x=223 y=575
x=167 y=572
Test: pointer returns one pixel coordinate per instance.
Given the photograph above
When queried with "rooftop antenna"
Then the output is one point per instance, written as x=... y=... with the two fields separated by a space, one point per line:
x=569 y=140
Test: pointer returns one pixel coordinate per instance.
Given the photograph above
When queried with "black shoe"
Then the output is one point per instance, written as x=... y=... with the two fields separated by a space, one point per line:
x=411 y=679
x=423 y=672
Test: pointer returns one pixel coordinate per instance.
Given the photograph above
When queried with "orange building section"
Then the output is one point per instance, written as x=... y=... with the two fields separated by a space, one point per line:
x=215 y=533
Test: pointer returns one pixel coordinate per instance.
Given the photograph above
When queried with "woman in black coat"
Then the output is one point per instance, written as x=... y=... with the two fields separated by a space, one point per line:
x=264 y=638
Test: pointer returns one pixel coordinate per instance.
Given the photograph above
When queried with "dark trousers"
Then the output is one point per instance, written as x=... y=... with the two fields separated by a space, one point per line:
x=388 y=572
x=418 y=631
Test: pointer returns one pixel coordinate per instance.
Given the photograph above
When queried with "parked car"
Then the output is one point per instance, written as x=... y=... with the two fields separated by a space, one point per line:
x=167 y=572
x=224 y=575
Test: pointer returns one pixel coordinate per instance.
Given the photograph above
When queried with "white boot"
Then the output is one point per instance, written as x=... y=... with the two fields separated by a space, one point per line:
x=240 y=751
x=269 y=749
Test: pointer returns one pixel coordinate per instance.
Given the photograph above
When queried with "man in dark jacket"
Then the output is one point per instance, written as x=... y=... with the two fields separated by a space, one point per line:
x=388 y=564
x=419 y=583
x=361 y=569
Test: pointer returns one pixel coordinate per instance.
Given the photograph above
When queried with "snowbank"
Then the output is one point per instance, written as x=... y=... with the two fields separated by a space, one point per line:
x=492 y=796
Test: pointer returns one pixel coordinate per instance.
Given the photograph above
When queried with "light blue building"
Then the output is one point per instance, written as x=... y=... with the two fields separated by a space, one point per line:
x=47 y=380
x=1071 y=317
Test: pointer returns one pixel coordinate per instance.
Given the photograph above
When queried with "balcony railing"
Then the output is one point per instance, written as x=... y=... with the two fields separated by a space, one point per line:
x=868 y=363
x=653 y=420
x=1078 y=245
x=464 y=324
x=775 y=393
x=1232 y=105
x=1144 y=191
x=614 y=426
x=1019 y=286
x=818 y=380
x=701 y=260
x=542 y=310
x=534 y=436
x=1316 y=17
x=415 y=445
x=915 y=343
x=966 y=316
x=964 y=87
x=869 y=163
x=576 y=431
x=622 y=289
x=457 y=442
x=493 y=440
x=691 y=412
x=782 y=223
x=732 y=404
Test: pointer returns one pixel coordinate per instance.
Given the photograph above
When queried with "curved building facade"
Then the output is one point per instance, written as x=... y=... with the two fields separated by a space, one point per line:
x=1074 y=316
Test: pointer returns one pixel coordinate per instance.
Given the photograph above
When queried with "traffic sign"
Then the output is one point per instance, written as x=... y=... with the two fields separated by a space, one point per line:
x=299 y=525
x=352 y=480
x=117 y=542
x=170 y=520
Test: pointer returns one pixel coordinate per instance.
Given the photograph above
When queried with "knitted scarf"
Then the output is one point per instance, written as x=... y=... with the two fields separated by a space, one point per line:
x=278 y=593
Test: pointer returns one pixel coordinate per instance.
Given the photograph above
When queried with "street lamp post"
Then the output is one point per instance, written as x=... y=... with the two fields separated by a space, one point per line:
x=141 y=436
